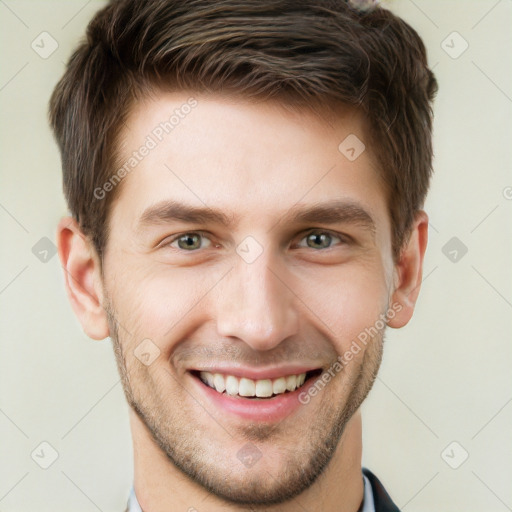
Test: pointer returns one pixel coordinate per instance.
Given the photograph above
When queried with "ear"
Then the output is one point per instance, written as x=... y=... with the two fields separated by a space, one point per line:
x=408 y=272
x=82 y=276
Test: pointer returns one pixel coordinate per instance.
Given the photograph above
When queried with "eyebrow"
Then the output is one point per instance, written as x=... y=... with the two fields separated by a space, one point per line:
x=329 y=212
x=165 y=212
x=332 y=212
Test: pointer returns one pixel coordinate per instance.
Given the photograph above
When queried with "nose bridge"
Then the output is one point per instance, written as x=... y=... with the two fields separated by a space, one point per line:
x=255 y=305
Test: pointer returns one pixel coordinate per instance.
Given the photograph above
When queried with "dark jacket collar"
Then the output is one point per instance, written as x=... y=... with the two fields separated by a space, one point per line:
x=383 y=502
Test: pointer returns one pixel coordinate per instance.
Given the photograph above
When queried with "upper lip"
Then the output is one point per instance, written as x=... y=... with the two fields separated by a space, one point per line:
x=257 y=373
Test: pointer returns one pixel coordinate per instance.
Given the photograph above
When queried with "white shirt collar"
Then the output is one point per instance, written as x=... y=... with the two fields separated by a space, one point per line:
x=133 y=504
x=368 y=503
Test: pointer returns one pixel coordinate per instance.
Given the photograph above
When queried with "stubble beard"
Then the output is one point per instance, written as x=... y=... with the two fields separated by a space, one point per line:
x=190 y=450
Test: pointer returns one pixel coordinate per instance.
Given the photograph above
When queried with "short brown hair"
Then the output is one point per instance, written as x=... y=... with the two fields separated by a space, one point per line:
x=300 y=52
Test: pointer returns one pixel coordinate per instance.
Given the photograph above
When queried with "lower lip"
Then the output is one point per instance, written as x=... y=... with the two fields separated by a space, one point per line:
x=266 y=410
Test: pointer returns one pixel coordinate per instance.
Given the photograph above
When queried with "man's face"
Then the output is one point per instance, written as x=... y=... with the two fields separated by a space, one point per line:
x=245 y=244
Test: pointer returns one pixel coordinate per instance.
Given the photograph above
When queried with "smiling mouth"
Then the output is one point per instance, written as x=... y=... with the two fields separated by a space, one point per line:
x=254 y=389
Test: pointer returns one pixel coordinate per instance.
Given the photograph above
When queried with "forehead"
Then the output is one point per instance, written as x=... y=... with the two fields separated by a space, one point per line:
x=251 y=160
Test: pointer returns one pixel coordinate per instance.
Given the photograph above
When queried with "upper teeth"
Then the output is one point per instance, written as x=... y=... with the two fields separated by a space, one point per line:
x=247 y=387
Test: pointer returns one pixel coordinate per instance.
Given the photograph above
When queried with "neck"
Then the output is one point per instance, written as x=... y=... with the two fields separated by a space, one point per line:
x=160 y=486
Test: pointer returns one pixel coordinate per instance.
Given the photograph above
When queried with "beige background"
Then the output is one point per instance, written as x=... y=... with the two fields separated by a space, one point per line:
x=445 y=378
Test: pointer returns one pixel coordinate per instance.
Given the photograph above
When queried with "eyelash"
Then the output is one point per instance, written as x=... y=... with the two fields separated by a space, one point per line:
x=343 y=239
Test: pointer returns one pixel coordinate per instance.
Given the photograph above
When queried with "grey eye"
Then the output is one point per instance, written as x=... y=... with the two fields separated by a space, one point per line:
x=319 y=240
x=191 y=241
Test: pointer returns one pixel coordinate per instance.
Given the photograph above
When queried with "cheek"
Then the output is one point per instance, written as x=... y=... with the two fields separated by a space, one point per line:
x=347 y=301
x=153 y=301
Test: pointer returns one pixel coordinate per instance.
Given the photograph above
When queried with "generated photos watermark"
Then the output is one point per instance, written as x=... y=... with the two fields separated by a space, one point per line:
x=157 y=135
x=355 y=347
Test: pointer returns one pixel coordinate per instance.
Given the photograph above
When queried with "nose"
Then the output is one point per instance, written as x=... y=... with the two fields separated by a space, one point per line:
x=256 y=306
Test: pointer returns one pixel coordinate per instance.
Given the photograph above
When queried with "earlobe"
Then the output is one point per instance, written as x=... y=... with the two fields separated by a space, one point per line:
x=82 y=276
x=409 y=272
